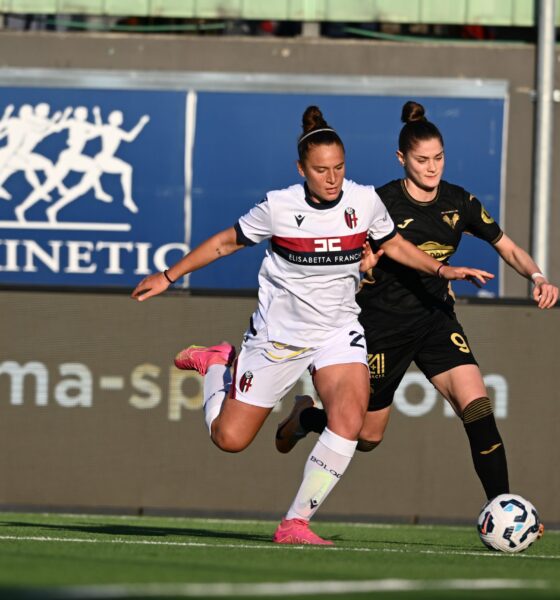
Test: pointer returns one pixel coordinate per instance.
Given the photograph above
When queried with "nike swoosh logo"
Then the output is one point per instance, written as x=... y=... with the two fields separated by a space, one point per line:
x=405 y=223
x=490 y=450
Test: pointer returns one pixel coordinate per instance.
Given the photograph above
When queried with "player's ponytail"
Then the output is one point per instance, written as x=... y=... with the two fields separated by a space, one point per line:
x=416 y=127
x=316 y=131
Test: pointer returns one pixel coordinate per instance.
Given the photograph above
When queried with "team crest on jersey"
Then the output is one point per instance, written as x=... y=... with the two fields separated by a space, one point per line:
x=451 y=218
x=350 y=217
x=246 y=381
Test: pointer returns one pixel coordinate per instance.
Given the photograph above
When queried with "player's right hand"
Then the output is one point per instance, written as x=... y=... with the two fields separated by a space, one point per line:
x=152 y=285
x=477 y=277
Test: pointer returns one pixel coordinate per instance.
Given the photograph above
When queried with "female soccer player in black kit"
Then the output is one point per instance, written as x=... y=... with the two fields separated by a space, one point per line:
x=408 y=316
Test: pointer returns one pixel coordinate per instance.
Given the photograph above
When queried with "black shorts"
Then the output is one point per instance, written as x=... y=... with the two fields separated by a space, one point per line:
x=436 y=345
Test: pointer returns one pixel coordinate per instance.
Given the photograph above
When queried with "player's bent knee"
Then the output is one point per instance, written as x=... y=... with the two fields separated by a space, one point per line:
x=367 y=445
x=228 y=445
x=228 y=442
x=347 y=425
x=345 y=430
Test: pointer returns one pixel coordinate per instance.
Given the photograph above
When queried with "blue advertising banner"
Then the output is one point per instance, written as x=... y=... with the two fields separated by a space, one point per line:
x=228 y=181
x=91 y=185
x=100 y=186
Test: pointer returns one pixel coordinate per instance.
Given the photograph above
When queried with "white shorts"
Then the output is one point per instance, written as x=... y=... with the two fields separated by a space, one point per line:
x=265 y=371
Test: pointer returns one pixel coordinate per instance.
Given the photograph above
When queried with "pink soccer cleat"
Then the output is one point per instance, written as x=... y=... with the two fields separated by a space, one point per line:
x=199 y=358
x=297 y=532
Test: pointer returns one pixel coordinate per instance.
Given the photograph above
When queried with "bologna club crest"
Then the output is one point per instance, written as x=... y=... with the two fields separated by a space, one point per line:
x=350 y=217
x=246 y=381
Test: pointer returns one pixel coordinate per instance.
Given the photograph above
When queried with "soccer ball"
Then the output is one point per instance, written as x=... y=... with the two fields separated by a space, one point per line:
x=508 y=523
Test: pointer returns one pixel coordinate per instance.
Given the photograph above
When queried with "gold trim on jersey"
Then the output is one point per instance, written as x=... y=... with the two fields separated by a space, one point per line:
x=293 y=351
x=437 y=250
x=485 y=216
x=418 y=202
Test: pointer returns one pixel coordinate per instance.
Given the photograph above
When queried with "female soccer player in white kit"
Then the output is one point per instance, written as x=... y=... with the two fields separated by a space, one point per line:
x=306 y=316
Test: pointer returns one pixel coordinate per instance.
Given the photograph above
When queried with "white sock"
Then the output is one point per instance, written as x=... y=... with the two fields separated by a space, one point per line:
x=325 y=466
x=216 y=387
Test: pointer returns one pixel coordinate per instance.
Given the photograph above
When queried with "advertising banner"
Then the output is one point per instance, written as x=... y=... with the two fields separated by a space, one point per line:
x=95 y=416
x=91 y=185
x=106 y=178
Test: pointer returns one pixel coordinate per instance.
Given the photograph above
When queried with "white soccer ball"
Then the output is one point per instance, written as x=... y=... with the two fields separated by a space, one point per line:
x=508 y=523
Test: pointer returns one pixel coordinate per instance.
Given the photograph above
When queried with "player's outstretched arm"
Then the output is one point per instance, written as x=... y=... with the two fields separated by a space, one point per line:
x=220 y=244
x=545 y=293
x=406 y=253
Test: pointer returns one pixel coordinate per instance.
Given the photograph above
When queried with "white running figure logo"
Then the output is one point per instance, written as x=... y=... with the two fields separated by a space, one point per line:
x=31 y=126
x=23 y=133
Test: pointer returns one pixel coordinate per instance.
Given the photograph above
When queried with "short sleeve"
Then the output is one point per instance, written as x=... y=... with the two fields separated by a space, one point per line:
x=382 y=227
x=479 y=222
x=256 y=225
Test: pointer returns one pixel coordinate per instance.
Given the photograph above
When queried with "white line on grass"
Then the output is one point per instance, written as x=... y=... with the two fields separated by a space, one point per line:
x=290 y=588
x=266 y=546
x=143 y=519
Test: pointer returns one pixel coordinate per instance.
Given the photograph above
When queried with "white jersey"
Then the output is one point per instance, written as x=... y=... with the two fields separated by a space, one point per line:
x=310 y=273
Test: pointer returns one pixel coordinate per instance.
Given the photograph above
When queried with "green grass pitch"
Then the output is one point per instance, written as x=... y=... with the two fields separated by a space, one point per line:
x=80 y=556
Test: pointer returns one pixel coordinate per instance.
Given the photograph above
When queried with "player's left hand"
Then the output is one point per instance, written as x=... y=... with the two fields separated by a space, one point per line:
x=369 y=258
x=545 y=294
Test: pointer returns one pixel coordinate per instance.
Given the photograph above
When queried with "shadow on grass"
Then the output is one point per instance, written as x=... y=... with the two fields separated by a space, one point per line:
x=142 y=531
x=201 y=533
x=121 y=530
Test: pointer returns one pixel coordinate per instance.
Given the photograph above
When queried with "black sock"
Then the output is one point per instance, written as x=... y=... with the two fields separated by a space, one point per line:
x=313 y=419
x=487 y=448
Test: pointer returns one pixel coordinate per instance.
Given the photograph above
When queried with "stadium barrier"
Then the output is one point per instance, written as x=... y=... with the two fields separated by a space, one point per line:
x=95 y=416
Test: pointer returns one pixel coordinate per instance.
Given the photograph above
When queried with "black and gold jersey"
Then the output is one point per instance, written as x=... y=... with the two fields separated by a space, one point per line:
x=394 y=296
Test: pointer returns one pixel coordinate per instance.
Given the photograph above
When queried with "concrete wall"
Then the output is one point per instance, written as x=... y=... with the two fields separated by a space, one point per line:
x=102 y=419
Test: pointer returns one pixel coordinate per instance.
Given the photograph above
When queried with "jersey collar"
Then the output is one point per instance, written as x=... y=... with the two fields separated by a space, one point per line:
x=417 y=202
x=322 y=204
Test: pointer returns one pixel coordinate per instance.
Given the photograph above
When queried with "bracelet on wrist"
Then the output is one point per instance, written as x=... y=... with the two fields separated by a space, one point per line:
x=166 y=275
x=438 y=270
x=535 y=276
